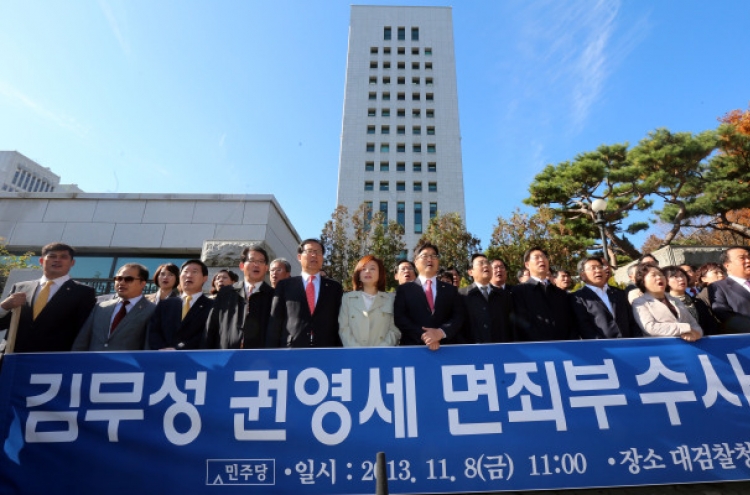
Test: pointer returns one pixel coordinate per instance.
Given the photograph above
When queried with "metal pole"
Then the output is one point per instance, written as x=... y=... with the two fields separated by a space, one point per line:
x=600 y=222
x=381 y=476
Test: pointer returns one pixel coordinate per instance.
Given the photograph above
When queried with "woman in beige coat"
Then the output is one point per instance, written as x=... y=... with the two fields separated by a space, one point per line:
x=366 y=316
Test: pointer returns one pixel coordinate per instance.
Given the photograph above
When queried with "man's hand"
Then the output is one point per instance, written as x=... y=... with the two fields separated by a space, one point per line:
x=432 y=337
x=14 y=301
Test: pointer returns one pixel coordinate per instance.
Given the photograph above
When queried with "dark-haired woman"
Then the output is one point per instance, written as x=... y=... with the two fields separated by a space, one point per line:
x=166 y=278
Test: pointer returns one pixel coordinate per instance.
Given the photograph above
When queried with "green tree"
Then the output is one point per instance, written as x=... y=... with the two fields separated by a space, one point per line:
x=448 y=232
x=10 y=262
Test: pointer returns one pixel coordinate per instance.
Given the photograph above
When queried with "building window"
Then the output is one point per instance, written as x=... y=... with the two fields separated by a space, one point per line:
x=370 y=147
x=400 y=167
x=416 y=113
x=374 y=64
x=415 y=66
x=370 y=129
x=384 y=186
x=384 y=166
x=387 y=50
x=401 y=34
x=432 y=167
x=433 y=210
x=401 y=97
x=417 y=187
x=401 y=148
x=373 y=80
x=384 y=129
x=400 y=186
x=417 y=218
x=386 y=65
x=401 y=65
x=401 y=213
x=386 y=80
x=432 y=186
x=430 y=97
x=384 y=147
x=387 y=33
x=386 y=112
x=401 y=80
x=417 y=167
x=430 y=113
x=369 y=186
x=374 y=50
x=428 y=65
x=401 y=50
x=371 y=112
x=386 y=96
x=369 y=166
x=430 y=148
x=416 y=130
x=415 y=81
x=400 y=130
x=417 y=148
x=430 y=130
x=428 y=81
x=368 y=214
x=428 y=51
x=372 y=96
x=384 y=211
x=401 y=112
x=415 y=51
x=415 y=97
x=415 y=34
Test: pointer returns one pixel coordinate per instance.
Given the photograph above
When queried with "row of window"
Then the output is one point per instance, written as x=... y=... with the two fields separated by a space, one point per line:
x=400 y=33
x=400 y=65
x=401 y=112
x=385 y=186
x=400 y=50
x=400 y=166
x=428 y=81
x=401 y=130
x=401 y=213
x=27 y=181
x=400 y=148
x=386 y=96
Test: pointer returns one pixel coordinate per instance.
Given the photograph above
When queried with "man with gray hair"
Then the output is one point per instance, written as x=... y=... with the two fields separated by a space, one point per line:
x=280 y=269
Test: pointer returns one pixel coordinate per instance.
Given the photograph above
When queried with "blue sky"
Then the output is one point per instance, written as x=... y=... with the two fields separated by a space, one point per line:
x=245 y=97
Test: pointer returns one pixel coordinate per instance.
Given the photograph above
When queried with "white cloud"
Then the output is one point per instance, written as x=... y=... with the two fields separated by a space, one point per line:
x=61 y=120
x=115 y=26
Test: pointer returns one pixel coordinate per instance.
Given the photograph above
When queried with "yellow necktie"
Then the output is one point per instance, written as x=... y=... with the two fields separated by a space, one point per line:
x=41 y=298
x=186 y=306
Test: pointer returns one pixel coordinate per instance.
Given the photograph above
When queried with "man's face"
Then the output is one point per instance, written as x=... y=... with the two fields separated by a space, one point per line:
x=692 y=278
x=255 y=268
x=278 y=272
x=192 y=279
x=311 y=258
x=427 y=262
x=128 y=283
x=739 y=263
x=499 y=273
x=562 y=281
x=538 y=265
x=481 y=271
x=56 y=264
x=593 y=274
x=405 y=273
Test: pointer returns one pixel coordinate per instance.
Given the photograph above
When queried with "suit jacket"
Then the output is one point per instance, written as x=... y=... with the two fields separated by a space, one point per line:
x=154 y=296
x=168 y=329
x=656 y=320
x=542 y=313
x=360 y=327
x=130 y=334
x=411 y=312
x=593 y=319
x=706 y=317
x=292 y=325
x=57 y=326
x=487 y=320
x=236 y=323
x=730 y=303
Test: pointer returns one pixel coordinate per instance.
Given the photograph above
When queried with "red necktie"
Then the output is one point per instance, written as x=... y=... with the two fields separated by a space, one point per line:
x=430 y=296
x=310 y=291
x=119 y=316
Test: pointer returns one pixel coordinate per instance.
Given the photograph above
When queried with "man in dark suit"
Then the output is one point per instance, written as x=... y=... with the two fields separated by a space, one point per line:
x=427 y=311
x=119 y=324
x=499 y=274
x=305 y=309
x=543 y=311
x=730 y=298
x=179 y=323
x=240 y=314
x=487 y=309
x=602 y=311
x=53 y=308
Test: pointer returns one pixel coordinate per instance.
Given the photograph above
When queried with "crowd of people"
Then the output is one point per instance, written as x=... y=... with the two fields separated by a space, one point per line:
x=265 y=307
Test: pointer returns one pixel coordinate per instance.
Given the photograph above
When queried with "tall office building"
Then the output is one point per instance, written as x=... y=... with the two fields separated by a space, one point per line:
x=400 y=141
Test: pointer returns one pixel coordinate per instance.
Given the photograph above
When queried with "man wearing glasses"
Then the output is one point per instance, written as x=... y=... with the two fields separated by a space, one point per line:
x=602 y=311
x=119 y=324
x=427 y=311
x=305 y=309
x=53 y=308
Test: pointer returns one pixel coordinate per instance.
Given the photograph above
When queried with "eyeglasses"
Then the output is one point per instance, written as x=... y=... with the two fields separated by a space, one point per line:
x=428 y=256
x=316 y=252
x=256 y=262
x=128 y=279
x=594 y=268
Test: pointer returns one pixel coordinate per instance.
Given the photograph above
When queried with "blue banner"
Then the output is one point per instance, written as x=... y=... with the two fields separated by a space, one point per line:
x=478 y=418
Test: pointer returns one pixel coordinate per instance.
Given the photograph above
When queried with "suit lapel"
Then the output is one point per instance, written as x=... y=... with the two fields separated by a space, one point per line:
x=739 y=290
